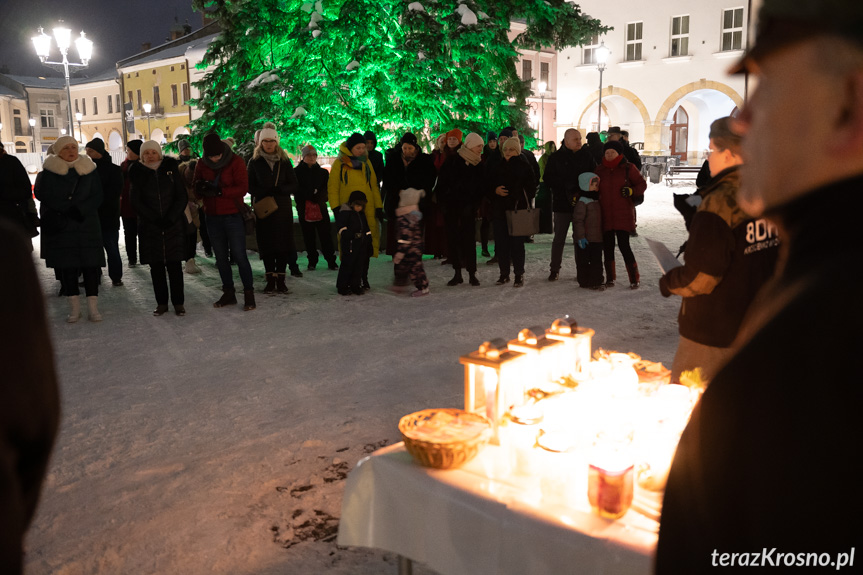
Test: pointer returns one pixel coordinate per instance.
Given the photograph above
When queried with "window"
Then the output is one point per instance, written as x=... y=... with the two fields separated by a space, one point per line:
x=174 y=95
x=182 y=66
x=110 y=105
x=588 y=53
x=526 y=70
x=633 y=41
x=156 y=100
x=47 y=117
x=83 y=107
x=138 y=93
x=172 y=68
x=543 y=73
x=19 y=130
x=95 y=106
x=185 y=93
x=76 y=105
x=117 y=100
x=130 y=99
x=732 y=29
x=680 y=36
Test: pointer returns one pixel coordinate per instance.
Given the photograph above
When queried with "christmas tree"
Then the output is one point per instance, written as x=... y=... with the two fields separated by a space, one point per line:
x=323 y=70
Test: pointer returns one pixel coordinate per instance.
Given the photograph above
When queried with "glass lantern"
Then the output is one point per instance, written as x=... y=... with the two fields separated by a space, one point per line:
x=495 y=378
x=548 y=357
x=577 y=341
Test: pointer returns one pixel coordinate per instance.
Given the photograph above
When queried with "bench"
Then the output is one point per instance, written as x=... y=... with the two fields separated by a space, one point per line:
x=687 y=173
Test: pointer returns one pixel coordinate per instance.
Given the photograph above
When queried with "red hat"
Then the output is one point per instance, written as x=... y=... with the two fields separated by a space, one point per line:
x=454 y=133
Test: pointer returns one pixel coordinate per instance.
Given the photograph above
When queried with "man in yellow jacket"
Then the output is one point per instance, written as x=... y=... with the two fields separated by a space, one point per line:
x=353 y=171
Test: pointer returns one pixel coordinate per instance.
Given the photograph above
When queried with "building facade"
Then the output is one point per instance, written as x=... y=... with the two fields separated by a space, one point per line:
x=538 y=68
x=33 y=112
x=666 y=78
x=97 y=99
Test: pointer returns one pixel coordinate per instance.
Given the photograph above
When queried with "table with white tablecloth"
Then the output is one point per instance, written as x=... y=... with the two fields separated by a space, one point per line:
x=484 y=518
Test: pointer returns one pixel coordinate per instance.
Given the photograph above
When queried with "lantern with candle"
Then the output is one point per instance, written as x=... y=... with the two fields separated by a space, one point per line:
x=495 y=378
x=576 y=341
x=547 y=357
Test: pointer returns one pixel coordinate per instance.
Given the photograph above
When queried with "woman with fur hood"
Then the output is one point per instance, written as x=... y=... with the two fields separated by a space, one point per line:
x=271 y=175
x=159 y=196
x=352 y=171
x=70 y=193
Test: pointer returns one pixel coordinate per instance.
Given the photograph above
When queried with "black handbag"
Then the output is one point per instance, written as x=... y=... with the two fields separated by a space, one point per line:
x=523 y=222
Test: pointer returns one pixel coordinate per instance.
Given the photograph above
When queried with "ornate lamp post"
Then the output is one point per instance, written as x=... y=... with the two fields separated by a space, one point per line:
x=602 y=54
x=147 y=108
x=63 y=37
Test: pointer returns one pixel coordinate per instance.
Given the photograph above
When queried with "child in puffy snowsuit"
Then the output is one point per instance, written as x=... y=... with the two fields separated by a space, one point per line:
x=409 y=255
x=355 y=241
x=587 y=223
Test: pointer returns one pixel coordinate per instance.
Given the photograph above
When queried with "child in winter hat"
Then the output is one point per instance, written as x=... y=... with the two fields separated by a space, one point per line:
x=355 y=244
x=587 y=231
x=408 y=258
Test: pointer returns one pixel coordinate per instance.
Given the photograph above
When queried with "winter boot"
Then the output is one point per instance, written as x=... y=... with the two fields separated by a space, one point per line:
x=472 y=279
x=161 y=309
x=74 y=308
x=366 y=285
x=93 y=309
x=485 y=253
x=456 y=279
x=192 y=267
x=248 y=300
x=519 y=281
x=502 y=280
x=271 y=284
x=180 y=310
x=281 y=286
x=610 y=273
x=333 y=265
x=553 y=276
x=634 y=277
x=420 y=292
x=229 y=297
x=295 y=272
x=492 y=261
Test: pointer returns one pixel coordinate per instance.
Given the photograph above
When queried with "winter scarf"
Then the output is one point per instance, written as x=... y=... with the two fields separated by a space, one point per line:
x=612 y=163
x=227 y=157
x=272 y=159
x=468 y=156
x=349 y=162
x=153 y=166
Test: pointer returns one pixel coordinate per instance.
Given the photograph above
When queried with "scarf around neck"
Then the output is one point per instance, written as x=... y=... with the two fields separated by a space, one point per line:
x=153 y=165
x=272 y=159
x=613 y=163
x=468 y=156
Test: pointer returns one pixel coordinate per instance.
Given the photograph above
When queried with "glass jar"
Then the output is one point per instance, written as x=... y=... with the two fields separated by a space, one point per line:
x=522 y=429
x=610 y=474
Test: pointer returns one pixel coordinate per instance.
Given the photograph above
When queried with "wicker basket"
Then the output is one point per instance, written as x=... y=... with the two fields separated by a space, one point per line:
x=444 y=453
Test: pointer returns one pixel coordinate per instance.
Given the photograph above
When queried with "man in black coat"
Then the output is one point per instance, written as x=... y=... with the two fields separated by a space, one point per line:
x=765 y=472
x=615 y=134
x=16 y=193
x=561 y=175
x=109 y=212
x=407 y=166
x=375 y=157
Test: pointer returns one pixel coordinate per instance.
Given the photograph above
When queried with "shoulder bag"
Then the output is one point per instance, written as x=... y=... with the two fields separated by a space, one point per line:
x=523 y=222
x=267 y=205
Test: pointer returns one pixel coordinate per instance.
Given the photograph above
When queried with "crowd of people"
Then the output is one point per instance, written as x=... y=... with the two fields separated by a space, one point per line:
x=428 y=203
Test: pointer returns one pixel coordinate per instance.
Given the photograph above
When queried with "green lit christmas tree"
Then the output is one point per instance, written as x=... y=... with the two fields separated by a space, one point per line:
x=323 y=70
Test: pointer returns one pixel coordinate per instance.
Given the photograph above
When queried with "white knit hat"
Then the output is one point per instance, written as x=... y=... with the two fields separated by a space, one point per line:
x=512 y=143
x=151 y=145
x=268 y=132
x=410 y=197
x=62 y=142
x=473 y=139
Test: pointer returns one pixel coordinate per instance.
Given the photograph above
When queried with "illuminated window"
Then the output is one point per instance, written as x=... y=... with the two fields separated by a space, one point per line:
x=732 y=29
x=679 y=36
x=633 y=40
x=588 y=53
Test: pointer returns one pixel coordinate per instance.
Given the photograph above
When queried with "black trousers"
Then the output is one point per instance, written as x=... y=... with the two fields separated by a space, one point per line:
x=130 y=233
x=461 y=239
x=205 y=236
x=191 y=241
x=69 y=280
x=608 y=249
x=276 y=264
x=588 y=263
x=312 y=231
x=160 y=282
x=507 y=248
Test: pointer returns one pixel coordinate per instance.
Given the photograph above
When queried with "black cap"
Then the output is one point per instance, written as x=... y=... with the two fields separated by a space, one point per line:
x=98 y=145
x=409 y=138
x=135 y=146
x=356 y=138
x=782 y=24
x=369 y=135
x=491 y=136
x=613 y=145
x=357 y=197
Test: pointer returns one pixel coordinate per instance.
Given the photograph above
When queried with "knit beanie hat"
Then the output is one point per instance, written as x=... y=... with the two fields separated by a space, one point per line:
x=455 y=133
x=356 y=138
x=616 y=146
x=151 y=145
x=506 y=132
x=306 y=150
x=491 y=136
x=213 y=145
x=357 y=197
x=512 y=143
x=268 y=132
x=410 y=197
x=135 y=146
x=62 y=142
x=584 y=181
x=409 y=138
x=97 y=145
x=473 y=139
x=183 y=145
x=230 y=142
x=369 y=135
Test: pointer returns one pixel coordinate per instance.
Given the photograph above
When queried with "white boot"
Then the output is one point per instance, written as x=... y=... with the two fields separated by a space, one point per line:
x=92 y=308
x=74 y=308
x=192 y=267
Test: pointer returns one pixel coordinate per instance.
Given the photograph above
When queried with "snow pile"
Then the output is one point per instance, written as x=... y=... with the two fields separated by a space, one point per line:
x=352 y=66
x=264 y=78
x=218 y=443
x=468 y=17
x=307 y=7
x=316 y=17
x=299 y=112
x=416 y=7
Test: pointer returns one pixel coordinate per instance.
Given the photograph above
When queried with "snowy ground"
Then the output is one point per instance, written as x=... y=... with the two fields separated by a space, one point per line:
x=218 y=442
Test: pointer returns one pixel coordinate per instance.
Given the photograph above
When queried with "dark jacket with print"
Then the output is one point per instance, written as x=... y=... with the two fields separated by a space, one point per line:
x=729 y=257
x=311 y=185
x=769 y=456
x=561 y=175
x=112 y=187
x=160 y=199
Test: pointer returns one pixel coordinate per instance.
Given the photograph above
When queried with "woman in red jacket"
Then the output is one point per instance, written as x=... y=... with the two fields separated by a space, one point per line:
x=222 y=181
x=621 y=188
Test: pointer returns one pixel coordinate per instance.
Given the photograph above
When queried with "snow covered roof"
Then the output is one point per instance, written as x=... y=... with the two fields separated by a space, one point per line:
x=39 y=81
x=175 y=48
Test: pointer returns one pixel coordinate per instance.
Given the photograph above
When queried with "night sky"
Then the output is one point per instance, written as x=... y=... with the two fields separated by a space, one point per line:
x=116 y=27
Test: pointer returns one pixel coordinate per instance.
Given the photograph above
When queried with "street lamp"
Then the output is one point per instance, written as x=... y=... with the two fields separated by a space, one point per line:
x=602 y=54
x=542 y=87
x=63 y=37
x=78 y=116
x=147 y=108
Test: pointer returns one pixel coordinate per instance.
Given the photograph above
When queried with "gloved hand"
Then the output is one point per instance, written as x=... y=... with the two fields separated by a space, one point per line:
x=398 y=258
x=626 y=192
x=663 y=287
x=582 y=243
x=379 y=213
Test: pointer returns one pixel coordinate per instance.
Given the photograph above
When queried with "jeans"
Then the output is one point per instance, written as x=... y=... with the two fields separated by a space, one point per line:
x=110 y=239
x=562 y=221
x=205 y=236
x=229 y=232
x=130 y=233
x=508 y=248
x=69 y=280
x=160 y=282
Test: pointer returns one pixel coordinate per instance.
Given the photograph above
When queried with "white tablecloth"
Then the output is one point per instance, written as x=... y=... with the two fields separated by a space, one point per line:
x=481 y=519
